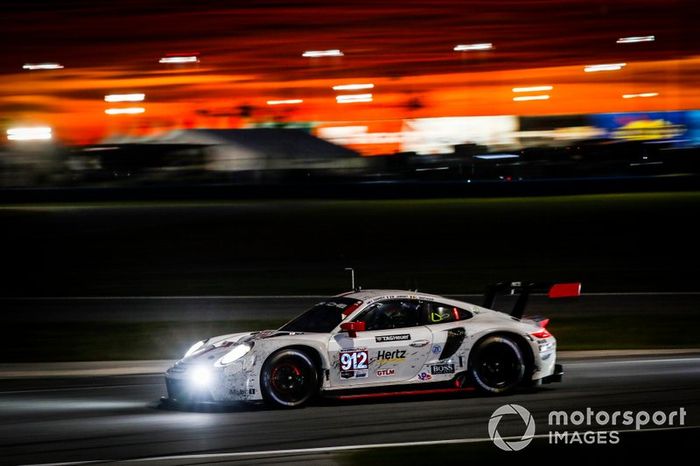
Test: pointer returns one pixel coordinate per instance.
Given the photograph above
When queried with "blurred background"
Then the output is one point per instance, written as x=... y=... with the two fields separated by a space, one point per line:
x=172 y=170
x=132 y=93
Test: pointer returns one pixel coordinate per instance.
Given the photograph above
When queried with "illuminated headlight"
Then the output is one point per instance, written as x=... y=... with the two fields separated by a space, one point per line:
x=235 y=354
x=194 y=348
x=200 y=377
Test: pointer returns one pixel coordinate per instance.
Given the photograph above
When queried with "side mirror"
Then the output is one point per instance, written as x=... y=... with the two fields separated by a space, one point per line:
x=352 y=328
x=565 y=290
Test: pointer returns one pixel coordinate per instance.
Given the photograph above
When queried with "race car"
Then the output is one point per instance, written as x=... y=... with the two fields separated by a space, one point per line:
x=371 y=343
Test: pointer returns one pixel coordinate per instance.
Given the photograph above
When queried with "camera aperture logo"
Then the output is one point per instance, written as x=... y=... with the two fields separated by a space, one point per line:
x=586 y=425
x=512 y=445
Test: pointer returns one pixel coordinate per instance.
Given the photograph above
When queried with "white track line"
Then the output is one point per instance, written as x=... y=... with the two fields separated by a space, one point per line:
x=71 y=463
x=633 y=361
x=83 y=388
x=339 y=448
x=117 y=298
x=308 y=296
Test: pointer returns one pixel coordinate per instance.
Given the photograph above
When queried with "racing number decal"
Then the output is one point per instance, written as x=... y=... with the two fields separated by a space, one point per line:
x=354 y=364
x=353 y=360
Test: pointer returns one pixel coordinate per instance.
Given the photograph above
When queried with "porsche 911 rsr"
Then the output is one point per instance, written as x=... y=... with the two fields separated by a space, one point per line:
x=371 y=343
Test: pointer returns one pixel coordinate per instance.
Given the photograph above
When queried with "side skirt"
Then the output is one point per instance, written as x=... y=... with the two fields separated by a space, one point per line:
x=453 y=386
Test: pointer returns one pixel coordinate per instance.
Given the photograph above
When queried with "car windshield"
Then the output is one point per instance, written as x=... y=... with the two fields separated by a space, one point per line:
x=323 y=317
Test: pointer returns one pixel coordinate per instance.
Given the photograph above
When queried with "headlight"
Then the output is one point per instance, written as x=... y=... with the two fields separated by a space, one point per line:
x=200 y=377
x=236 y=353
x=194 y=348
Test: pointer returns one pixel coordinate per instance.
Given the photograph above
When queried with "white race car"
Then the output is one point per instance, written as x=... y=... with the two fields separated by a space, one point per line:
x=371 y=343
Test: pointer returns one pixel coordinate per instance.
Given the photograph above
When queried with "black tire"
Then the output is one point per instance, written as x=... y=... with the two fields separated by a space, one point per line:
x=497 y=365
x=289 y=379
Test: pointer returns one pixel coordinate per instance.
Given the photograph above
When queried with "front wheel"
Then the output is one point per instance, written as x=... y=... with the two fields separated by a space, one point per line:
x=497 y=365
x=288 y=379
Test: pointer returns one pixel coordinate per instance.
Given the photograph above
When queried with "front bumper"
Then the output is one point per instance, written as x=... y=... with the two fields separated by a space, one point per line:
x=556 y=376
x=180 y=391
x=200 y=405
x=232 y=383
x=181 y=395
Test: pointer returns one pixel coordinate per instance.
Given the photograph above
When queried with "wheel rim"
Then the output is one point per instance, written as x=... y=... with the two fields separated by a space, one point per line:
x=499 y=366
x=289 y=381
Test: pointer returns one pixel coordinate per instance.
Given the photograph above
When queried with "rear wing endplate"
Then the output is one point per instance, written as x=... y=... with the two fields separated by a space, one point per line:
x=523 y=290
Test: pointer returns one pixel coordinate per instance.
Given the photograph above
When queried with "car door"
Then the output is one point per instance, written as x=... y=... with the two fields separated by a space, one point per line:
x=393 y=348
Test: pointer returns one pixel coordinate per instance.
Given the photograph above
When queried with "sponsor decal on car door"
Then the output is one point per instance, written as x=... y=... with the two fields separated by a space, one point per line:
x=354 y=363
x=379 y=356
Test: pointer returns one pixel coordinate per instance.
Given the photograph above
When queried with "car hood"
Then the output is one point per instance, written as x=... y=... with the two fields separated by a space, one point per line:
x=216 y=347
x=251 y=336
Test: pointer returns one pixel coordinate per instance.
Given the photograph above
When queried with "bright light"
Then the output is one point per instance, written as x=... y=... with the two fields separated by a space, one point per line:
x=353 y=87
x=179 y=60
x=125 y=111
x=497 y=156
x=42 y=66
x=284 y=102
x=604 y=67
x=99 y=149
x=194 y=348
x=200 y=376
x=322 y=53
x=471 y=47
x=533 y=89
x=643 y=94
x=125 y=97
x=353 y=98
x=37 y=133
x=234 y=355
x=635 y=39
x=524 y=98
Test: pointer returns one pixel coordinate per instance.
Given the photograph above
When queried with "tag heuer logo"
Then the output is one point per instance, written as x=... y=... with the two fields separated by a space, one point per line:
x=385 y=338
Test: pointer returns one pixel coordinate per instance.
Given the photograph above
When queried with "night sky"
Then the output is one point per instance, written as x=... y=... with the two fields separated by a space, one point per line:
x=250 y=52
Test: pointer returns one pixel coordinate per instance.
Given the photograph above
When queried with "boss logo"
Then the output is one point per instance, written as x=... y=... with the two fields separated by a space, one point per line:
x=442 y=369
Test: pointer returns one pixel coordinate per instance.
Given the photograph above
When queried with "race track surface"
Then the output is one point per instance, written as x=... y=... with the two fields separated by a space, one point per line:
x=118 y=418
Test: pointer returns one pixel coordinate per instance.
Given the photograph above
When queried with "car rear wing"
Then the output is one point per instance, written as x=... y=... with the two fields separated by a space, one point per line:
x=523 y=290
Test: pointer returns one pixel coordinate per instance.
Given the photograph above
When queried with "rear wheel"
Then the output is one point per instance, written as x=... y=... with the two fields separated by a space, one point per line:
x=497 y=365
x=289 y=378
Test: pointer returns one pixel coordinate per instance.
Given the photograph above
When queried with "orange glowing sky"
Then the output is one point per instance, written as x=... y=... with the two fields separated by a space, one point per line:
x=251 y=52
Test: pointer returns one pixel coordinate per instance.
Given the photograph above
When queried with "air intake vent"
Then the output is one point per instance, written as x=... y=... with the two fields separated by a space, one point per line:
x=455 y=337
